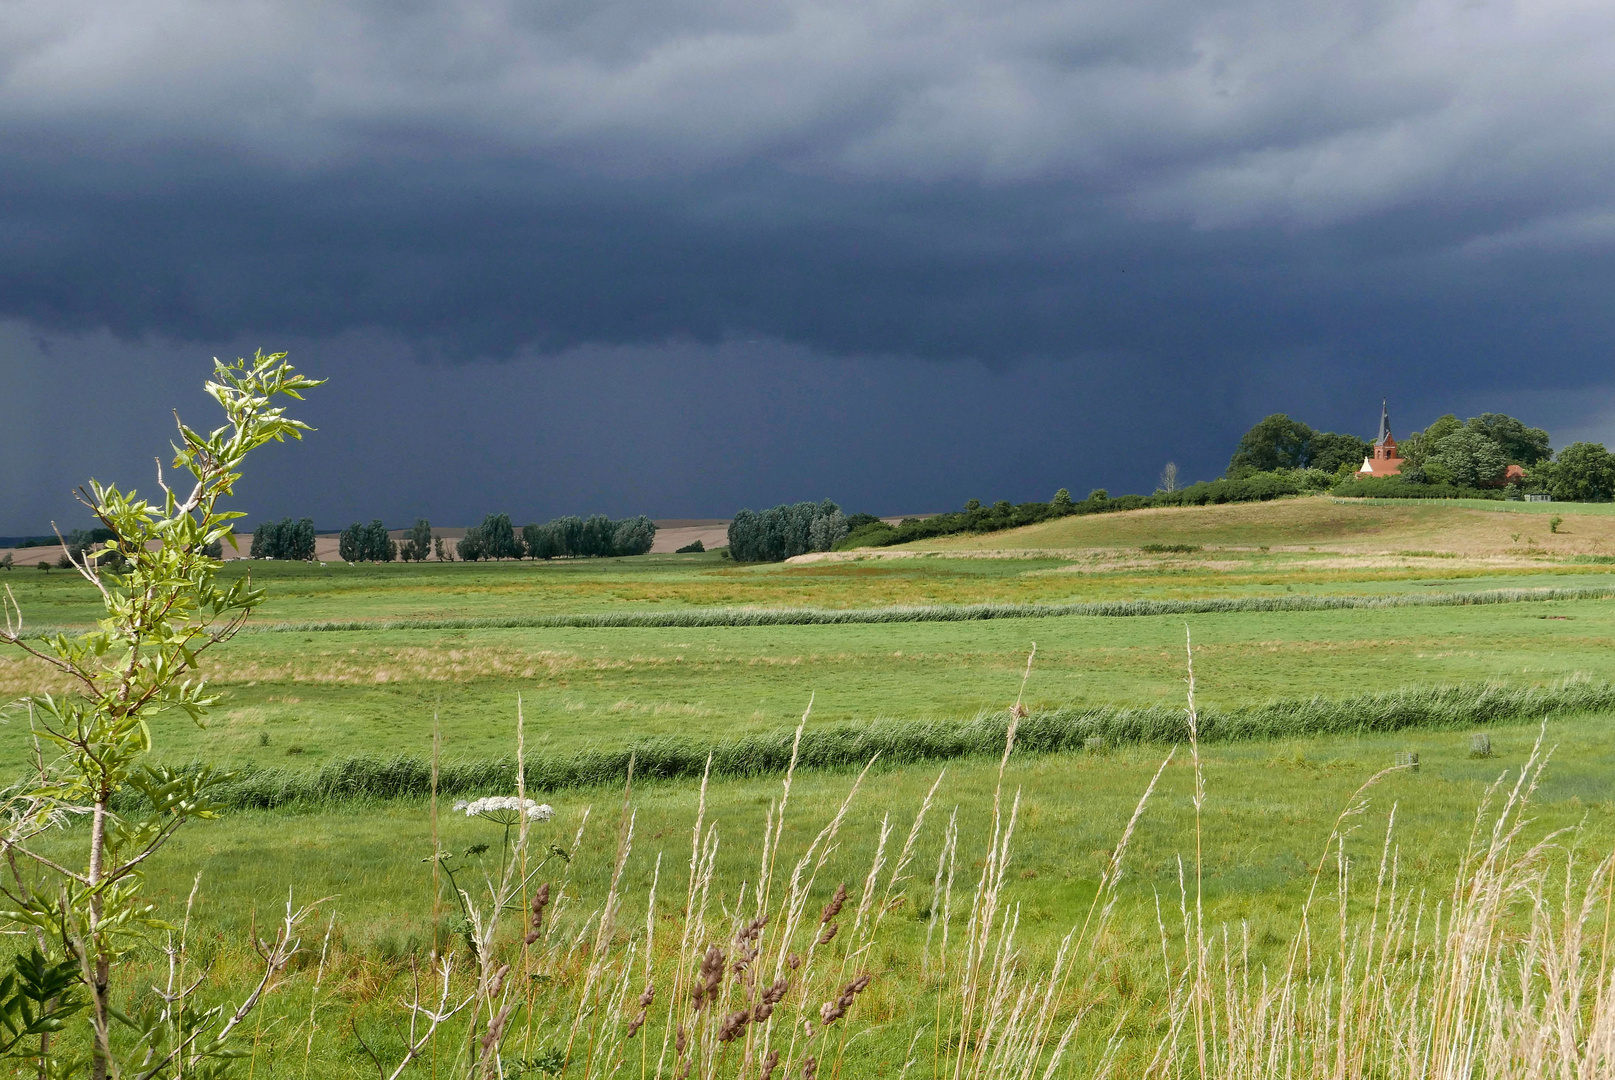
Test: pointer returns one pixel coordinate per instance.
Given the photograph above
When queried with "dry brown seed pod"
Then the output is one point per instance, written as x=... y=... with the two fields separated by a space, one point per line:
x=770 y=1063
x=541 y=900
x=733 y=1025
x=772 y=995
x=833 y=908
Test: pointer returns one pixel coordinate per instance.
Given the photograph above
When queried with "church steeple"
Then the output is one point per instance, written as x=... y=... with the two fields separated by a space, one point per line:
x=1384 y=460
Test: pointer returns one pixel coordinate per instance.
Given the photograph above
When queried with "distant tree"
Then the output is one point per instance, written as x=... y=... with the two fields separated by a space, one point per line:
x=1276 y=442
x=693 y=547
x=471 y=548
x=858 y=521
x=1098 y=495
x=972 y=505
x=597 y=533
x=349 y=545
x=1329 y=450
x=442 y=553
x=44 y=564
x=1583 y=472
x=1471 y=458
x=1417 y=446
x=75 y=544
x=377 y=546
x=1521 y=445
x=569 y=535
x=5 y=561
x=498 y=537
x=1169 y=477
x=535 y=542
x=1061 y=502
x=1002 y=506
x=305 y=540
x=418 y=544
x=826 y=530
x=633 y=536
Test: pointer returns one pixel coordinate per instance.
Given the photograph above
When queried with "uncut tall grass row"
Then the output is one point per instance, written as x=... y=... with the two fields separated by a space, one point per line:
x=850 y=746
x=1507 y=977
x=699 y=617
x=762 y=986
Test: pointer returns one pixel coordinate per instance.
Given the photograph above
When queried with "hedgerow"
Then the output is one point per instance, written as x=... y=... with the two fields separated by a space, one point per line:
x=851 y=746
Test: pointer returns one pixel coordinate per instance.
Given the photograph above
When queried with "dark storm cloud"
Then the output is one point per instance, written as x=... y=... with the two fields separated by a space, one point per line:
x=1170 y=204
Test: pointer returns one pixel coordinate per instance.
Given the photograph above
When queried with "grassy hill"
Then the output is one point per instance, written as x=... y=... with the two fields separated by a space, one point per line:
x=1321 y=523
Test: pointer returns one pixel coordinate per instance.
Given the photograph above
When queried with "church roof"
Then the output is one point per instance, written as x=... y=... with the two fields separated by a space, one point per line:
x=1384 y=423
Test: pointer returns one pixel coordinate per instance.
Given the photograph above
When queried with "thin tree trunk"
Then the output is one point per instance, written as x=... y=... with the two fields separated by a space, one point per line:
x=100 y=1017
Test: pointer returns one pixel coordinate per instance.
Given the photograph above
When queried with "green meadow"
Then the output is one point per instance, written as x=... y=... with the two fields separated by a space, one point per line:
x=297 y=697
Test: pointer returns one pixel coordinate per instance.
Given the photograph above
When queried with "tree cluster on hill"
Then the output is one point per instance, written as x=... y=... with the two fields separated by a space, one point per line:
x=366 y=543
x=1451 y=458
x=1455 y=458
x=1278 y=442
x=596 y=536
x=785 y=531
x=283 y=539
x=1582 y=472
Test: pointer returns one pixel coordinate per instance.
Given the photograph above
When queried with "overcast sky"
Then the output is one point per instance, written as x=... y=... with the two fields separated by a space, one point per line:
x=681 y=256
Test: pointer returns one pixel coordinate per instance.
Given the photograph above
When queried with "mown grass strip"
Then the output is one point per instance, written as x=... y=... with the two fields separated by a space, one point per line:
x=849 y=746
x=696 y=617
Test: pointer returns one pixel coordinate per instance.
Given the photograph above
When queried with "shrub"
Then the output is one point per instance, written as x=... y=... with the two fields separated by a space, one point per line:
x=692 y=548
x=139 y=663
x=1392 y=487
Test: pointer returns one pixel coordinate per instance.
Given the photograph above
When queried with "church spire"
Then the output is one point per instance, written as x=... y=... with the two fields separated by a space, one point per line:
x=1384 y=422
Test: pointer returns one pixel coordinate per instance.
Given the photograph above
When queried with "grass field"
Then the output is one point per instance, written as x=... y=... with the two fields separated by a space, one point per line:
x=297 y=700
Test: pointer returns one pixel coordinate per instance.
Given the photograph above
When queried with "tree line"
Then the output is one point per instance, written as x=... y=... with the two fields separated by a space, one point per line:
x=596 y=536
x=284 y=539
x=787 y=530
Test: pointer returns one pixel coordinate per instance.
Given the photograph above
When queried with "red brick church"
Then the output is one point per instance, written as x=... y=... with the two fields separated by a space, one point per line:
x=1383 y=460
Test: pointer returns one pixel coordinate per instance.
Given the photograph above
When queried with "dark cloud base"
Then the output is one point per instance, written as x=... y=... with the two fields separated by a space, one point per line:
x=508 y=335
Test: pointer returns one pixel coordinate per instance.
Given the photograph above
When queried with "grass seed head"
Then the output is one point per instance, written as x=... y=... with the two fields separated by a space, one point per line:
x=831 y=1011
x=833 y=908
x=541 y=900
x=733 y=1025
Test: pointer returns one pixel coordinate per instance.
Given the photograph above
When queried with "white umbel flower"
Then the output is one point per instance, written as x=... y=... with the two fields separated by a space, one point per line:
x=506 y=809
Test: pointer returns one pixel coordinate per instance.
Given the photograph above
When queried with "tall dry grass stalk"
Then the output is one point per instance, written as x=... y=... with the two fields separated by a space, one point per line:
x=1508 y=976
